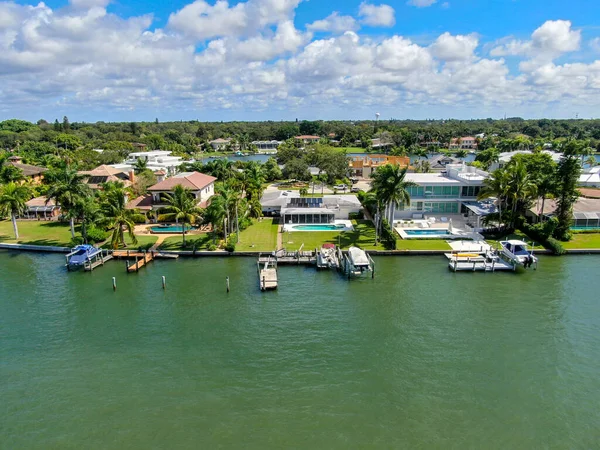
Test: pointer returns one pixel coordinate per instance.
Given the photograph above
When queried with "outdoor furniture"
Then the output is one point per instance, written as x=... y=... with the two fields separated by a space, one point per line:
x=432 y=220
x=444 y=219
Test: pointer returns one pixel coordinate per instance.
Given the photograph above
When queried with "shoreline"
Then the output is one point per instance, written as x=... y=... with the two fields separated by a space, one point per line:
x=220 y=254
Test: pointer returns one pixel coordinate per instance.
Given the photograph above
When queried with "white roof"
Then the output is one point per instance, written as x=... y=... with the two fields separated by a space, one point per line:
x=151 y=153
x=507 y=156
x=430 y=178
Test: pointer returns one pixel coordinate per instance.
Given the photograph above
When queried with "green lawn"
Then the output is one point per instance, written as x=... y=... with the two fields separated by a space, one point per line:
x=55 y=234
x=583 y=241
x=144 y=242
x=422 y=244
x=261 y=236
x=353 y=149
x=175 y=243
x=362 y=236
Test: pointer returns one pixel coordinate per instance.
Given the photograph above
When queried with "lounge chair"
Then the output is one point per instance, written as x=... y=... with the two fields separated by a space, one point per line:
x=444 y=219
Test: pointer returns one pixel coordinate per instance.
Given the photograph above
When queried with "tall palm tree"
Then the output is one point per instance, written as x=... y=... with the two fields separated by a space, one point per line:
x=496 y=185
x=254 y=179
x=116 y=216
x=222 y=169
x=215 y=214
x=182 y=207
x=521 y=187
x=13 y=197
x=391 y=188
x=67 y=187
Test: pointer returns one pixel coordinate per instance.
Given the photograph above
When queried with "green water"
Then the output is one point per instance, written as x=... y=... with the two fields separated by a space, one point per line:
x=420 y=357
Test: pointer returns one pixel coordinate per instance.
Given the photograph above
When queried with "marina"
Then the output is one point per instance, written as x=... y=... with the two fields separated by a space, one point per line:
x=394 y=351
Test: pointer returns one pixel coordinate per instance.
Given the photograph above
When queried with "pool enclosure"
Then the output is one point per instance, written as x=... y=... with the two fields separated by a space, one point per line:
x=307 y=216
x=586 y=220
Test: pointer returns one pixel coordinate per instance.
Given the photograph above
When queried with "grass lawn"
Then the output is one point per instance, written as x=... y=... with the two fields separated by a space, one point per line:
x=175 y=243
x=55 y=234
x=362 y=236
x=353 y=149
x=422 y=244
x=261 y=236
x=144 y=242
x=583 y=241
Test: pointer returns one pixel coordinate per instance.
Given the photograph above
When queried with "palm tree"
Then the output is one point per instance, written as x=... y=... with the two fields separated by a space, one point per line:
x=67 y=187
x=182 y=208
x=222 y=169
x=13 y=197
x=254 y=179
x=521 y=186
x=116 y=216
x=140 y=165
x=215 y=214
x=390 y=188
x=461 y=153
x=496 y=185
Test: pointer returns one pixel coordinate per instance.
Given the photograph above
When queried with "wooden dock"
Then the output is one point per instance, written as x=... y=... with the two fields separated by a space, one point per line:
x=267 y=274
x=142 y=259
x=139 y=263
x=91 y=265
x=479 y=264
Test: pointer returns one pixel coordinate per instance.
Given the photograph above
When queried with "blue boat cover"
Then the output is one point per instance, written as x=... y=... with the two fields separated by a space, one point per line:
x=82 y=253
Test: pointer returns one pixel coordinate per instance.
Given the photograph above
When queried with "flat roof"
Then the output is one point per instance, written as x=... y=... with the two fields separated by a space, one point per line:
x=430 y=178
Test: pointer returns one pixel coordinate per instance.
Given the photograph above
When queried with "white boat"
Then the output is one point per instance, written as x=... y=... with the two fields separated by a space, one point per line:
x=517 y=251
x=327 y=257
x=359 y=261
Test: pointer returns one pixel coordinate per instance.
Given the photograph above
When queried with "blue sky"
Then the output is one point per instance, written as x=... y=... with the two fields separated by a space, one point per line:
x=263 y=60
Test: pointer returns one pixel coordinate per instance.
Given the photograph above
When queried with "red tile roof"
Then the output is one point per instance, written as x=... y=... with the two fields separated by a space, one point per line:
x=306 y=136
x=143 y=203
x=194 y=181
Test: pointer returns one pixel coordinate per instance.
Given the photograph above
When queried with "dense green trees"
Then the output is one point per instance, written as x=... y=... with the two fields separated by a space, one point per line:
x=66 y=188
x=13 y=197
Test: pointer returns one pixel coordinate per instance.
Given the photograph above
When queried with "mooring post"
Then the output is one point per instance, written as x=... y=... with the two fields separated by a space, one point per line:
x=114 y=283
x=264 y=286
x=164 y=282
x=137 y=267
x=227 y=280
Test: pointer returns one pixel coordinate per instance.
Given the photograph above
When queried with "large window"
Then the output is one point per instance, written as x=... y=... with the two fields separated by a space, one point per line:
x=470 y=191
x=441 y=207
x=434 y=191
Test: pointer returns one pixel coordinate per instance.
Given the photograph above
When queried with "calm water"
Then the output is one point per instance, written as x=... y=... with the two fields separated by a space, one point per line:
x=420 y=357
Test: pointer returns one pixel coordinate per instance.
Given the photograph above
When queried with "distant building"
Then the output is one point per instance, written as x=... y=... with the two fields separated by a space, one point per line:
x=378 y=144
x=34 y=174
x=586 y=212
x=590 y=178
x=200 y=185
x=505 y=157
x=266 y=145
x=440 y=162
x=364 y=165
x=308 y=139
x=465 y=143
x=220 y=144
x=155 y=160
x=41 y=209
x=103 y=174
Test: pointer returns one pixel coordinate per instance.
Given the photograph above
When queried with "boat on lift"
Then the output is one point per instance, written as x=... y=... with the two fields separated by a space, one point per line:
x=327 y=257
x=518 y=252
x=359 y=261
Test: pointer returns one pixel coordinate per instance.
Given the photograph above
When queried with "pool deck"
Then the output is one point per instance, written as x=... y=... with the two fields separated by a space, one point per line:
x=347 y=226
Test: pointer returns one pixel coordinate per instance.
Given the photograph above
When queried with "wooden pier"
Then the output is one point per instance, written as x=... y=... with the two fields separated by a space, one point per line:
x=90 y=265
x=267 y=274
x=283 y=256
x=142 y=259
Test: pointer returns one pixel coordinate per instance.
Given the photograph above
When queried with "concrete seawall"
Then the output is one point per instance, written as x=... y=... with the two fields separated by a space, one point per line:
x=35 y=248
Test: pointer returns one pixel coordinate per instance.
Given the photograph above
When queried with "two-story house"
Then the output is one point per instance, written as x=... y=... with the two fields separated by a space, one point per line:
x=201 y=186
x=466 y=143
x=155 y=160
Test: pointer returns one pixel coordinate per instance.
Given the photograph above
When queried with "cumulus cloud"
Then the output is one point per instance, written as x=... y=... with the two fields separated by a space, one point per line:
x=455 y=48
x=595 y=44
x=377 y=15
x=334 y=23
x=421 y=3
x=551 y=40
x=81 y=57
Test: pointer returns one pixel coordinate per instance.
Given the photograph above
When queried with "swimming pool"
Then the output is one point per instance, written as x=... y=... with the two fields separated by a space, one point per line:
x=322 y=227
x=433 y=232
x=170 y=229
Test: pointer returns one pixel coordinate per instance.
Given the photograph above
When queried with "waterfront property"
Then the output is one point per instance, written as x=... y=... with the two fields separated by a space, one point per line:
x=505 y=157
x=443 y=193
x=220 y=144
x=590 y=177
x=586 y=212
x=201 y=186
x=42 y=209
x=266 y=145
x=466 y=143
x=33 y=174
x=308 y=139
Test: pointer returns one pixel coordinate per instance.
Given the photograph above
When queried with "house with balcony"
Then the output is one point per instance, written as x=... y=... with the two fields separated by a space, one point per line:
x=156 y=160
x=295 y=209
x=442 y=193
x=201 y=186
x=465 y=143
x=363 y=166
x=308 y=139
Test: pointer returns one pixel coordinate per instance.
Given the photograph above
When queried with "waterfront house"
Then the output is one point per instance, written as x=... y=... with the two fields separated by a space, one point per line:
x=103 y=174
x=41 y=209
x=465 y=143
x=33 y=174
x=505 y=157
x=220 y=144
x=155 y=160
x=363 y=166
x=586 y=212
x=201 y=186
x=302 y=210
x=440 y=162
x=266 y=145
x=442 y=193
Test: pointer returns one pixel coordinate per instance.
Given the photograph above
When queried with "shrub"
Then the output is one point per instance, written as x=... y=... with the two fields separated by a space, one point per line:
x=388 y=238
x=230 y=246
x=589 y=231
x=356 y=215
x=138 y=218
x=77 y=240
x=211 y=247
x=96 y=235
x=555 y=246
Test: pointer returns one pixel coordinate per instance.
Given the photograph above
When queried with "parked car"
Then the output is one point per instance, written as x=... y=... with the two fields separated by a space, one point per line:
x=355 y=190
x=340 y=187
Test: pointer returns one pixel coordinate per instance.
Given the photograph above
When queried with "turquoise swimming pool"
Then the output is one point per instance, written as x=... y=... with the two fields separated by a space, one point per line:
x=322 y=227
x=170 y=229
x=433 y=232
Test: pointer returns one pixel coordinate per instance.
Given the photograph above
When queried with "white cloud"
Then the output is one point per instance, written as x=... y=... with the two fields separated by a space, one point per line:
x=86 y=59
x=334 y=23
x=455 y=48
x=549 y=41
x=421 y=3
x=377 y=16
x=595 y=44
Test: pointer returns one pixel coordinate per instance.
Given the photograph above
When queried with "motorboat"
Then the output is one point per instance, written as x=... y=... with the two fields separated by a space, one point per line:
x=359 y=261
x=327 y=257
x=82 y=254
x=518 y=252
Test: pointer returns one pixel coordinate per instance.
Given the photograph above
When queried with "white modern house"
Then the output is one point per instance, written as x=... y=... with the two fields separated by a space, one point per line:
x=505 y=157
x=156 y=160
x=295 y=209
x=442 y=193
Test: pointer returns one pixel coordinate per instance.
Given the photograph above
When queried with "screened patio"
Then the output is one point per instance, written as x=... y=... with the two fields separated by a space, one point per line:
x=307 y=216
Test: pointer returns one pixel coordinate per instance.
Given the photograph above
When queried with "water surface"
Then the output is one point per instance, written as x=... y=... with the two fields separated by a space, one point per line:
x=419 y=357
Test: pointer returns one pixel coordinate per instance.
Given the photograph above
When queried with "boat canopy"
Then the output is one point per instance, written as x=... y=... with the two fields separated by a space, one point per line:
x=82 y=253
x=358 y=257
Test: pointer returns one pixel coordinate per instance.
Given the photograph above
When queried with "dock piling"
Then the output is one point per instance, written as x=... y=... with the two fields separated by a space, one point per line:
x=114 y=280
x=227 y=281
x=164 y=282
